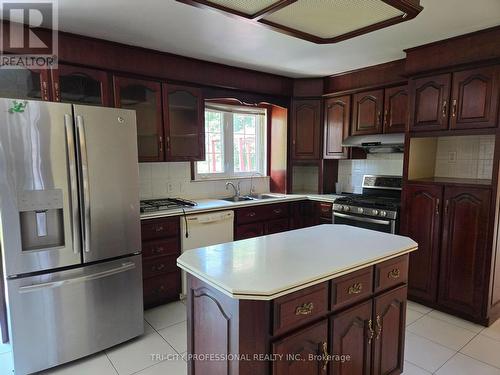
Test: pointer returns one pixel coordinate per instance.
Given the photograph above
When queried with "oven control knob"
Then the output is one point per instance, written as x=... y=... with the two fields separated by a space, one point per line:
x=375 y=212
x=360 y=210
x=383 y=213
x=346 y=208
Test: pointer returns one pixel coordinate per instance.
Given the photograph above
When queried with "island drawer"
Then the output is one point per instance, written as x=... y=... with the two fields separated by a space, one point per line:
x=295 y=309
x=169 y=246
x=391 y=273
x=159 y=228
x=162 y=289
x=159 y=265
x=352 y=287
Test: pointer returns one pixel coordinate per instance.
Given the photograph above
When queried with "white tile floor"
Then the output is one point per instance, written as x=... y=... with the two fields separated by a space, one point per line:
x=436 y=343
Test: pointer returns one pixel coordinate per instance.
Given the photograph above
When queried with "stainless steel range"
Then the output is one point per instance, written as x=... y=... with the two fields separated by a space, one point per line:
x=377 y=208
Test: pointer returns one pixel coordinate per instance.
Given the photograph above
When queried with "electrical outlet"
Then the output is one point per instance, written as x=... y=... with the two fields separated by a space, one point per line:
x=170 y=187
x=452 y=156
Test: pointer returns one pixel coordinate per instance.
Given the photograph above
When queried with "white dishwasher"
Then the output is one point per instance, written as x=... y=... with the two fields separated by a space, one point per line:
x=204 y=230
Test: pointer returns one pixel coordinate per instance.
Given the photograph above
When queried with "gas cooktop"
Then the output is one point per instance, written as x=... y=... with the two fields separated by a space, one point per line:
x=154 y=205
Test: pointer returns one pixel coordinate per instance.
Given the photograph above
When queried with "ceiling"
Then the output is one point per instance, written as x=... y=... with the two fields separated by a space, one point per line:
x=170 y=26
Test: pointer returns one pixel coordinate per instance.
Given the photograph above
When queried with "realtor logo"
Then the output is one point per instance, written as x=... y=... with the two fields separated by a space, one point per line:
x=29 y=39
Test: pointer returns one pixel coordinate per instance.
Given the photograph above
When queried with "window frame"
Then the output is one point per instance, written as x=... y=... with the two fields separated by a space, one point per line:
x=228 y=112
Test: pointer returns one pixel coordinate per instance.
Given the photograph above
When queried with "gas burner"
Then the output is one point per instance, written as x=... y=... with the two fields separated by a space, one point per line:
x=154 y=205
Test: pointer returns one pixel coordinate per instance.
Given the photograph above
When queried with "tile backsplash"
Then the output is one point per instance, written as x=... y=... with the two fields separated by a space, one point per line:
x=465 y=156
x=305 y=179
x=351 y=171
x=164 y=180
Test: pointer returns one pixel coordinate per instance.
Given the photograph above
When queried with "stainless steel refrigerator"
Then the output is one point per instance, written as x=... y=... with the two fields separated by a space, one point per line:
x=69 y=230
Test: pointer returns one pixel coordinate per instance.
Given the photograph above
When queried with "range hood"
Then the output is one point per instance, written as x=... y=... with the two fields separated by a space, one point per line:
x=378 y=143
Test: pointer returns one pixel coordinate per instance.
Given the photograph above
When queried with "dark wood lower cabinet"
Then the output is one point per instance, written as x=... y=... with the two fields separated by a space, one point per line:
x=297 y=352
x=301 y=333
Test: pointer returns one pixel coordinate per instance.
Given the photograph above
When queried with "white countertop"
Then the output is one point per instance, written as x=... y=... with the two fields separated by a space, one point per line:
x=264 y=268
x=207 y=205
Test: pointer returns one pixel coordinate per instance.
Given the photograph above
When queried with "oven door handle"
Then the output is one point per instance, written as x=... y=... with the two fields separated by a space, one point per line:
x=363 y=219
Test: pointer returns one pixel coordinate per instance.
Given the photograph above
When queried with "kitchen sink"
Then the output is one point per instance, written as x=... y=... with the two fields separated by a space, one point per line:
x=264 y=196
x=239 y=199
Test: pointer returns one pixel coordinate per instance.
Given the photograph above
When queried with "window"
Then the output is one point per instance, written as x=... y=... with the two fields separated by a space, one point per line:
x=235 y=142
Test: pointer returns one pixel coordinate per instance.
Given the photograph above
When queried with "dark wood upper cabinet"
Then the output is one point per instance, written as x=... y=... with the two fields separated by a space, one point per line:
x=350 y=332
x=367 y=112
x=422 y=223
x=475 y=98
x=144 y=97
x=184 y=119
x=396 y=109
x=27 y=84
x=72 y=84
x=306 y=130
x=310 y=341
x=464 y=249
x=430 y=103
x=337 y=120
x=389 y=322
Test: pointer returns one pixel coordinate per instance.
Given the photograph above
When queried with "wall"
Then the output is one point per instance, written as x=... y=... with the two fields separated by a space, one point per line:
x=164 y=180
x=351 y=171
x=465 y=157
x=305 y=179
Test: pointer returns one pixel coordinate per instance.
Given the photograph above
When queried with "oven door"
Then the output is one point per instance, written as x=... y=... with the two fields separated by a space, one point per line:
x=380 y=225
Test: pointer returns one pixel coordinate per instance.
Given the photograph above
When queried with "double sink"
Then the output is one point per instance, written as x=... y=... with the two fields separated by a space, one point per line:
x=254 y=197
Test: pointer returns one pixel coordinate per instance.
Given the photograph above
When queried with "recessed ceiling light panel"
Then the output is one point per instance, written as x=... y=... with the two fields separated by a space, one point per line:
x=318 y=21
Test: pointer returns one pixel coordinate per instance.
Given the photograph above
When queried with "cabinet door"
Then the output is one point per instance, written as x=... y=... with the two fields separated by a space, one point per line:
x=72 y=84
x=249 y=231
x=422 y=223
x=463 y=277
x=306 y=124
x=145 y=98
x=276 y=226
x=297 y=348
x=367 y=112
x=184 y=123
x=337 y=117
x=25 y=84
x=389 y=326
x=430 y=103
x=475 y=99
x=351 y=335
x=396 y=109
x=303 y=214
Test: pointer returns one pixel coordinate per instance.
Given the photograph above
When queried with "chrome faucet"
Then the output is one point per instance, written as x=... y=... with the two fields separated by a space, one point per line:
x=236 y=189
x=252 y=187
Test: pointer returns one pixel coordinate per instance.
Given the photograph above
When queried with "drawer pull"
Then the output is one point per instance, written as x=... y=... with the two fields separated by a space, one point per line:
x=251 y=214
x=394 y=274
x=378 y=327
x=355 y=289
x=371 y=332
x=159 y=290
x=158 y=250
x=158 y=267
x=277 y=211
x=304 y=309
x=159 y=229
x=325 y=356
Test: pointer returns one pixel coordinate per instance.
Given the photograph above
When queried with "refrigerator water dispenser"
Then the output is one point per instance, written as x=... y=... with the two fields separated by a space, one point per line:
x=42 y=219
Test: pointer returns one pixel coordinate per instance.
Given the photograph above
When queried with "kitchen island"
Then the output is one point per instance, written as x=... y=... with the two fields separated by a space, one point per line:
x=325 y=298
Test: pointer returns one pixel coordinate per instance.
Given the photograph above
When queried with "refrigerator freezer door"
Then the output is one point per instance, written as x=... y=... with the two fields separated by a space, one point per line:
x=60 y=317
x=107 y=154
x=39 y=214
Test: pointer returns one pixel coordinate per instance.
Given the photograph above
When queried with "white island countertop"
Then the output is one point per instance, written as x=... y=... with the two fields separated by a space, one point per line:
x=267 y=267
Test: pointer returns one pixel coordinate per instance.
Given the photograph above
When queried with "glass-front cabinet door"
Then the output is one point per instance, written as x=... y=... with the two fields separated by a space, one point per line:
x=143 y=96
x=184 y=123
x=72 y=84
x=24 y=84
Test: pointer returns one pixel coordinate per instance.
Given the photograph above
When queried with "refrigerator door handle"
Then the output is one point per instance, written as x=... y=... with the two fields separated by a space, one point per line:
x=97 y=275
x=75 y=218
x=85 y=182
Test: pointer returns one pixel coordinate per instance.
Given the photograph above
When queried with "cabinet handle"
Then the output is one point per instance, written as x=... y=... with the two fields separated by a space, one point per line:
x=277 y=211
x=394 y=274
x=304 y=309
x=378 y=327
x=168 y=142
x=158 y=267
x=355 y=289
x=386 y=115
x=445 y=108
x=379 y=116
x=45 y=91
x=437 y=207
x=160 y=141
x=454 y=108
x=158 y=250
x=161 y=289
x=446 y=206
x=57 y=93
x=251 y=214
x=371 y=332
x=325 y=355
x=159 y=229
